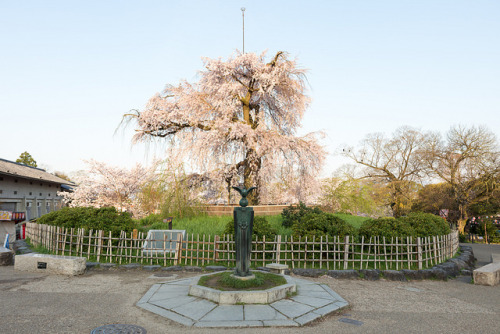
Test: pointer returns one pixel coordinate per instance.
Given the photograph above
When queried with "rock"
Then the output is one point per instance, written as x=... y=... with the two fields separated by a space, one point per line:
x=92 y=265
x=369 y=274
x=450 y=268
x=413 y=274
x=343 y=274
x=216 y=268
x=309 y=272
x=172 y=268
x=393 y=275
x=107 y=265
x=6 y=257
x=192 y=268
x=439 y=274
x=130 y=266
x=151 y=267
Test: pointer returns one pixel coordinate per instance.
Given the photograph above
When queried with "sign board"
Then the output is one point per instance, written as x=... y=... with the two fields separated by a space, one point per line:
x=162 y=241
x=5 y=215
x=444 y=213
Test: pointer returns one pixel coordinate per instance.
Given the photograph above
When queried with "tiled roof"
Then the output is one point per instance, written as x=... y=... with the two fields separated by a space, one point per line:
x=16 y=169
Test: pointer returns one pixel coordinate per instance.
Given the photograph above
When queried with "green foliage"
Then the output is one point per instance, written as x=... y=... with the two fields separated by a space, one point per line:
x=26 y=159
x=414 y=225
x=178 y=201
x=386 y=227
x=107 y=219
x=426 y=224
x=484 y=208
x=355 y=221
x=151 y=219
x=491 y=229
x=321 y=224
x=261 y=227
x=294 y=213
x=225 y=281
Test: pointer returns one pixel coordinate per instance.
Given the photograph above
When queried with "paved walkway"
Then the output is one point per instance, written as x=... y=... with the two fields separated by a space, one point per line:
x=171 y=300
x=39 y=303
x=482 y=252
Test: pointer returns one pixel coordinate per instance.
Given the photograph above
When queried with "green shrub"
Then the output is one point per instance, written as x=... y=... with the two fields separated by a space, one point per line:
x=294 y=213
x=321 y=224
x=151 y=219
x=261 y=227
x=106 y=219
x=386 y=227
x=426 y=224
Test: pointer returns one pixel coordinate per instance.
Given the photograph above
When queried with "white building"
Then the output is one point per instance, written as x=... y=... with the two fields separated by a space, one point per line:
x=27 y=189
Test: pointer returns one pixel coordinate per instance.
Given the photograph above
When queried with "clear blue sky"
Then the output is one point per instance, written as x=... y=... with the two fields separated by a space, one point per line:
x=70 y=69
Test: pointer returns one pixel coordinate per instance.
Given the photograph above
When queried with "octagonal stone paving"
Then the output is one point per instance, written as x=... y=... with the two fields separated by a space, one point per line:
x=172 y=300
x=243 y=297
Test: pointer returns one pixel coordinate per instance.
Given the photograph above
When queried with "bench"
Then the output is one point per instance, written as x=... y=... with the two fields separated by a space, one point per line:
x=277 y=268
x=488 y=274
x=52 y=264
x=495 y=257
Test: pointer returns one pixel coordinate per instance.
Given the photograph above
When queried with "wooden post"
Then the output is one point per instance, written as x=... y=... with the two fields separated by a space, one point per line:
x=346 y=251
x=419 y=253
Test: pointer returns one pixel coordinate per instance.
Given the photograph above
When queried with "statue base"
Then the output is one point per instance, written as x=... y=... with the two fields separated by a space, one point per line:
x=243 y=278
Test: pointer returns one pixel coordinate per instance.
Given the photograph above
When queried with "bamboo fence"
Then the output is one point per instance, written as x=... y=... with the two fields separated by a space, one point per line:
x=199 y=250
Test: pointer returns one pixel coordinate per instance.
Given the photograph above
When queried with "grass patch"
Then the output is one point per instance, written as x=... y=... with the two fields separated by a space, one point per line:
x=355 y=221
x=224 y=281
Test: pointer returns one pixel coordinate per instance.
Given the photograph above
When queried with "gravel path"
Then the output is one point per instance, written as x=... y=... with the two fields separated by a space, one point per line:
x=37 y=303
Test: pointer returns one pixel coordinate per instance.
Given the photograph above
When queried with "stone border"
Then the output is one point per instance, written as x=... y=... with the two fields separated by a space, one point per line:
x=460 y=265
x=246 y=297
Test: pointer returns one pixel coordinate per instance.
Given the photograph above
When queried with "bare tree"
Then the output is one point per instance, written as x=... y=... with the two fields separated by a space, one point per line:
x=469 y=161
x=395 y=161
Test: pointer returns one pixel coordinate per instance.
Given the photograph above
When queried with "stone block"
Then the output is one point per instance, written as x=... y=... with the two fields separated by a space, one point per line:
x=309 y=272
x=130 y=266
x=413 y=274
x=107 y=265
x=193 y=268
x=488 y=274
x=345 y=274
x=394 y=275
x=53 y=264
x=92 y=265
x=216 y=268
x=495 y=258
x=153 y=267
x=6 y=256
x=370 y=274
x=172 y=268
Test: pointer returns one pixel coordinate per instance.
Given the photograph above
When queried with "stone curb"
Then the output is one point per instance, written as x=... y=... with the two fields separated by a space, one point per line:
x=460 y=265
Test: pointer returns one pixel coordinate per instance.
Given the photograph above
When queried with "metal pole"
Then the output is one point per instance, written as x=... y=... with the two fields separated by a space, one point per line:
x=243 y=15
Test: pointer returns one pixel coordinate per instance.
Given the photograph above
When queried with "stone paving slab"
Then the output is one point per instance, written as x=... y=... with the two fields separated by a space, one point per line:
x=171 y=300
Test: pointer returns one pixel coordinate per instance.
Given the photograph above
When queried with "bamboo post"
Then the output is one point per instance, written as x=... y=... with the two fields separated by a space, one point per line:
x=216 y=248
x=346 y=251
x=419 y=253
x=385 y=253
x=305 y=253
x=362 y=249
x=327 y=254
x=291 y=251
x=278 y=249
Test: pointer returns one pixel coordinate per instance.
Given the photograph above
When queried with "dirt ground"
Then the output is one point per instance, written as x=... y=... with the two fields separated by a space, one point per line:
x=39 y=303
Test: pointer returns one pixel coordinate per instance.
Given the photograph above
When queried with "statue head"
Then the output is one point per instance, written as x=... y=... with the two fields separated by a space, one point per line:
x=244 y=193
